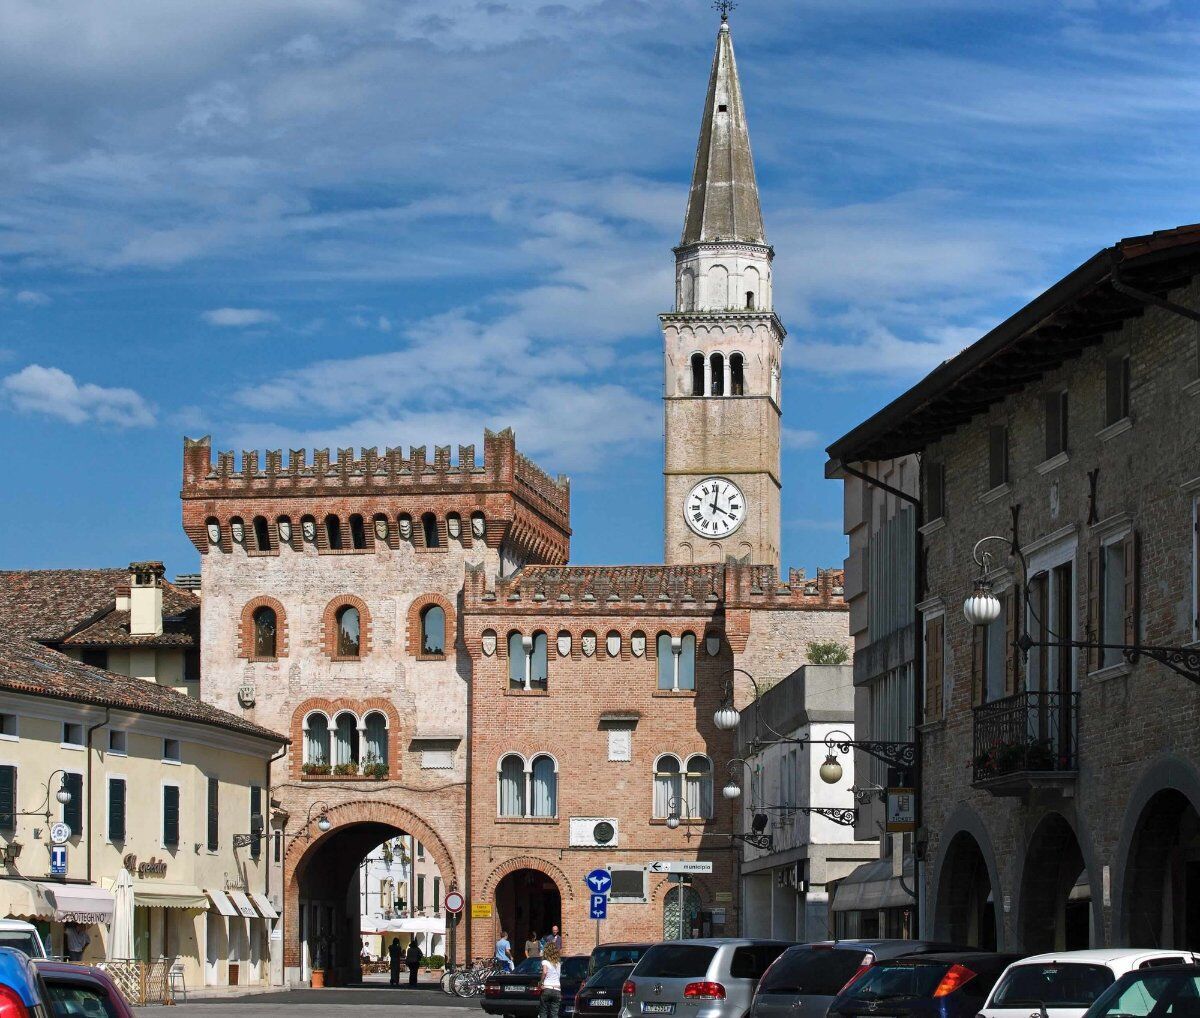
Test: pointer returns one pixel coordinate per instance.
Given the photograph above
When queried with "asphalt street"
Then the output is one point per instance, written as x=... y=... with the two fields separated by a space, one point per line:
x=367 y=1001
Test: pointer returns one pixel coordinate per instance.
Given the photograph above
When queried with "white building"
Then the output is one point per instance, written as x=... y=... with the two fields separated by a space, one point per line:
x=400 y=895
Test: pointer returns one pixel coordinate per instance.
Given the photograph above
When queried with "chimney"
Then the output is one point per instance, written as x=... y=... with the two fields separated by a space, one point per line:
x=145 y=598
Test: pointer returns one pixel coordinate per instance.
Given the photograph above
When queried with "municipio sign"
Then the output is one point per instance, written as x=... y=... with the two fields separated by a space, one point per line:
x=680 y=866
x=481 y=910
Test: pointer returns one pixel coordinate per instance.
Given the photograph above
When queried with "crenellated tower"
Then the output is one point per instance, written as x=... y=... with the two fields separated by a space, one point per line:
x=723 y=347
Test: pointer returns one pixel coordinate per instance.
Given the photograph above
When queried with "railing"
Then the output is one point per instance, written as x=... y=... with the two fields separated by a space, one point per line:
x=142 y=982
x=1027 y=732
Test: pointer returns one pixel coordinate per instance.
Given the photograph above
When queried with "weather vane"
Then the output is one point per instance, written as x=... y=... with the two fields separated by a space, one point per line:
x=724 y=6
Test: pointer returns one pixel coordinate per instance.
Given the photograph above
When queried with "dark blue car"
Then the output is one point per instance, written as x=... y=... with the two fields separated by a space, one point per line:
x=944 y=984
x=36 y=988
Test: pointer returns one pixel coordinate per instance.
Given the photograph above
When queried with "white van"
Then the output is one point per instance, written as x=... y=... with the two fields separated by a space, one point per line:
x=23 y=936
x=1065 y=984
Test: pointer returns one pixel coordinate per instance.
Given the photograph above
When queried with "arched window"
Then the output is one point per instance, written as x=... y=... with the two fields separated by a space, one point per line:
x=666 y=661
x=667 y=786
x=681 y=909
x=545 y=787
x=348 y=631
x=697 y=374
x=737 y=375
x=429 y=529
x=699 y=787
x=266 y=627
x=358 y=533
x=345 y=742
x=687 y=662
x=717 y=363
x=262 y=534
x=528 y=666
x=333 y=532
x=749 y=300
x=510 y=792
x=516 y=661
x=539 y=669
x=433 y=630
x=316 y=739
x=377 y=742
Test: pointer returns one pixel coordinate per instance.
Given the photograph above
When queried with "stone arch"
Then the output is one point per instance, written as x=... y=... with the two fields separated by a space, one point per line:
x=415 y=610
x=1052 y=855
x=246 y=629
x=964 y=821
x=700 y=885
x=329 y=626
x=527 y=862
x=1169 y=773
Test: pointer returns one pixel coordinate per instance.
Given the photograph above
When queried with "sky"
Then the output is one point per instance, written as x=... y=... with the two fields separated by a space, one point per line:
x=331 y=223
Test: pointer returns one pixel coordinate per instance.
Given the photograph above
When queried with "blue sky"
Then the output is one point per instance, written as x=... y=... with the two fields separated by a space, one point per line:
x=350 y=222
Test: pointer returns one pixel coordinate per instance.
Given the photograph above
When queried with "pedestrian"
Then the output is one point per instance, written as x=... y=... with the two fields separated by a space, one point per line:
x=533 y=946
x=553 y=937
x=504 y=961
x=364 y=956
x=77 y=940
x=395 y=954
x=413 y=957
x=551 y=982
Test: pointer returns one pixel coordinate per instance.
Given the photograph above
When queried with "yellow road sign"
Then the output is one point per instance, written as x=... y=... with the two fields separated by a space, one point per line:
x=481 y=910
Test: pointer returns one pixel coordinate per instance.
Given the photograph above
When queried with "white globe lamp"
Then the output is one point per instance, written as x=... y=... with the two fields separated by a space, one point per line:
x=731 y=790
x=982 y=608
x=831 y=770
x=726 y=718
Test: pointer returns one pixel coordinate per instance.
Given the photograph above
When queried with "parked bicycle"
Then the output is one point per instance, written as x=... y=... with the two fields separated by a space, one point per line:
x=468 y=982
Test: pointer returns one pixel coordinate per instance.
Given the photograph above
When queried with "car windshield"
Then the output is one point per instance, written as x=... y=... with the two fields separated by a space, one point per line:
x=615 y=954
x=574 y=968
x=676 y=961
x=812 y=971
x=898 y=979
x=1150 y=994
x=1069 y=984
x=529 y=967
x=22 y=940
x=610 y=977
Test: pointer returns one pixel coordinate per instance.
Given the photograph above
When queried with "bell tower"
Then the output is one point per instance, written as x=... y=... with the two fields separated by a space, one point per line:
x=723 y=347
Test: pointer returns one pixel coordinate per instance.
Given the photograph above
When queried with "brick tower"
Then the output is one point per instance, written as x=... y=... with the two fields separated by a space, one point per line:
x=723 y=348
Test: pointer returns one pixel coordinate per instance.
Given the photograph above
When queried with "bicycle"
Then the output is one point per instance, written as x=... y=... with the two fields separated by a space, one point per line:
x=469 y=982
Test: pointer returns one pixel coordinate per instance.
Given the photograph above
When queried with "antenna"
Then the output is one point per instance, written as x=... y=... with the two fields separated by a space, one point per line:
x=724 y=6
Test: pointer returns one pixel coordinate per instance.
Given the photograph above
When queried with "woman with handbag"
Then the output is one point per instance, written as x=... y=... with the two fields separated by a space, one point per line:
x=551 y=981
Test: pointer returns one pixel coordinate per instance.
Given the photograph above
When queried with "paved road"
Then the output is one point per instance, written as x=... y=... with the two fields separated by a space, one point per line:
x=370 y=1001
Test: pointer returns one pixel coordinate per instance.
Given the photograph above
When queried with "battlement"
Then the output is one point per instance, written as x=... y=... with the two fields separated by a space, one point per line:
x=749 y=586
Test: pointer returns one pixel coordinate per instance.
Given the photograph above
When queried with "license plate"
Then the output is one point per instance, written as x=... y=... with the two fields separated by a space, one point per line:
x=654 y=1008
x=600 y=1003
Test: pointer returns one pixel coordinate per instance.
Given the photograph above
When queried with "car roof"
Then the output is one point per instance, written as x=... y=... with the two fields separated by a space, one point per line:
x=1103 y=955
x=624 y=943
x=724 y=941
x=960 y=956
x=16 y=924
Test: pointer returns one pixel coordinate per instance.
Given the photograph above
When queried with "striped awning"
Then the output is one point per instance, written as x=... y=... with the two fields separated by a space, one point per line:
x=160 y=894
x=242 y=904
x=264 y=906
x=220 y=901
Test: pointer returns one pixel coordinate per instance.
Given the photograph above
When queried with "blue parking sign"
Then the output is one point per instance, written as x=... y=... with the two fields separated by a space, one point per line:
x=599 y=906
x=58 y=860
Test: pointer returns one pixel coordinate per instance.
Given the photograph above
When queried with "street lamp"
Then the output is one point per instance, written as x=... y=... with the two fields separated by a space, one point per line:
x=831 y=770
x=62 y=796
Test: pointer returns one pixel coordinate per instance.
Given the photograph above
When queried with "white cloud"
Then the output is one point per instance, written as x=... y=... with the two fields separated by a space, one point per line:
x=51 y=391
x=32 y=298
x=239 y=317
x=799 y=438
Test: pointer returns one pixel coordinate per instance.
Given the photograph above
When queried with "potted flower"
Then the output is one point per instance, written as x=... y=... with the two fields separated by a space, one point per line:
x=344 y=769
x=315 y=768
x=375 y=768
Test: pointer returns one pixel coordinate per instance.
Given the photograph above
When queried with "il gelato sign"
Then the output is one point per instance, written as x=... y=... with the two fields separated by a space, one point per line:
x=151 y=869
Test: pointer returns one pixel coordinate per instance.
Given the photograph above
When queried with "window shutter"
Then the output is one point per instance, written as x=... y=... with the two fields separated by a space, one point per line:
x=1093 y=656
x=73 y=810
x=213 y=815
x=1012 y=660
x=256 y=821
x=116 y=809
x=170 y=814
x=8 y=798
x=1133 y=607
x=933 y=668
x=978 y=664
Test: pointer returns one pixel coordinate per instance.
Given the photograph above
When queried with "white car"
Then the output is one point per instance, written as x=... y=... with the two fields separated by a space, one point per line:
x=23 y=936
x=1065 y=984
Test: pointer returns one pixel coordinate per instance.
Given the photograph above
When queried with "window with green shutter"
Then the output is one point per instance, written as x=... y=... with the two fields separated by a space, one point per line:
x=213 y=815
x=170 y=815
x=8 y=798
x=256 y=821
x=116 y=809
x=73 y=811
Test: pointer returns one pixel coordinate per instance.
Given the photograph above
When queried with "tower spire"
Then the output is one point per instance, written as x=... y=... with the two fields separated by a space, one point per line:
x=723 y=204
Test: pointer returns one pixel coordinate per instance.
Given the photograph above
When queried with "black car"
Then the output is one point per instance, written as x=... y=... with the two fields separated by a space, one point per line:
x=616 y=954
x=519 y=993
x=942 y=984
x=601 y=994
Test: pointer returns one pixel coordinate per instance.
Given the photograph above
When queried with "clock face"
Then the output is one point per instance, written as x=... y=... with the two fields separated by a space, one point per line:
x=715 y=507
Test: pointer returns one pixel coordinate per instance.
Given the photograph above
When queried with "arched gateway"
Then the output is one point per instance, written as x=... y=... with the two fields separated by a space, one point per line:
x=321 y=910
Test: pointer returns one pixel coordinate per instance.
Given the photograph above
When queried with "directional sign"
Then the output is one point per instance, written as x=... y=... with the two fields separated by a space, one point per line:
x=58 y=860
x=599 y=906
x=680 y=866
x=599 y=881
x=455 y=902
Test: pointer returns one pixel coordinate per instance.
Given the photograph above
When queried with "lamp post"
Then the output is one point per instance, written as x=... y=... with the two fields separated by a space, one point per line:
x=63 y=796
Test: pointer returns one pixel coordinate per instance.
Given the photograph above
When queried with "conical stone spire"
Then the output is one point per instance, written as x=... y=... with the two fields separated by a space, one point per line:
x=723 y=204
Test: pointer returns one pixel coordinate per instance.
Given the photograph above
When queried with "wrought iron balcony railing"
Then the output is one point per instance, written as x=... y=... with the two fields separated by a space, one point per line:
x=1024 y=740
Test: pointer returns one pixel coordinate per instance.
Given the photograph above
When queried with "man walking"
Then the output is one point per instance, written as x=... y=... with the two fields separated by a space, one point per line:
x=413 y=957
x=77 y=940
x=395 y=955
x=504 y=961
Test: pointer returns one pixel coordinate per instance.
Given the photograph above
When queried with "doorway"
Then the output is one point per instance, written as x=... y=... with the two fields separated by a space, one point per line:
x=527 y=902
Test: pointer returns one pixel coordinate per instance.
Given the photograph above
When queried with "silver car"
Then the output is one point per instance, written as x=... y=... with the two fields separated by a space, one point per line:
x=712 y=978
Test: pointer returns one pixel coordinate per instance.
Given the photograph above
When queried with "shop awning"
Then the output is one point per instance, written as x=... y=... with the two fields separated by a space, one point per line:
x=242 y=904
x=264 y=906
x=77 y=903
x=163 y=895
x=19 y=899
x=417 y=924
x=220 y=902
x=873 y=886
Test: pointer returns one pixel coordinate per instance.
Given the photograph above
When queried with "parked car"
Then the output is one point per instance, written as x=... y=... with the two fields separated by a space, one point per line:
x=36 y=988
x=519 y=993
x=1162 y=990
x=23 y=936
x=709 y=978
x=616 y=954
x=1067 y=983
x=807 y=977
x=941 y=984
x=601 y=994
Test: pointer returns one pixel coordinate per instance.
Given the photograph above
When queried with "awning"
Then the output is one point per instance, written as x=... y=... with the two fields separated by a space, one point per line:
x=872 y=886
x=264 y=906
x=242 y=904
x=19 y=899
x=418 y=924
x=77 y=903
x=220 y=902
x=163 y=895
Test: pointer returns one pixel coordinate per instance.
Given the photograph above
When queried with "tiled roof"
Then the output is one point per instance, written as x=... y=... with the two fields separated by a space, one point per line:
x=78 y=607
x=28 y=667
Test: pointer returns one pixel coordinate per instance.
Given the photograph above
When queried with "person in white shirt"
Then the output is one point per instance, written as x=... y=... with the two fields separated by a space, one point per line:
x=551 y=982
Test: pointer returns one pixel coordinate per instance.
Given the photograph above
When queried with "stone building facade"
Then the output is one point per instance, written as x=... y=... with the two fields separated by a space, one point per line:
x=1060 y=788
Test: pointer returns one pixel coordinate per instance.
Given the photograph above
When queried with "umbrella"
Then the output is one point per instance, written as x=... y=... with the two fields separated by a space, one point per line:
x=120 y=941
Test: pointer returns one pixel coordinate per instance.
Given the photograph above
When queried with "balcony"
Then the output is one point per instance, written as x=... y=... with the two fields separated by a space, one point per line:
x=1025 y=741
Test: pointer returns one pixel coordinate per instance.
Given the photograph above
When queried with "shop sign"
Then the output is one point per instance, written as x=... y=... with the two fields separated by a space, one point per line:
x=236 y=883
x=151 y=869
x=901 y=810
x=481 y=910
